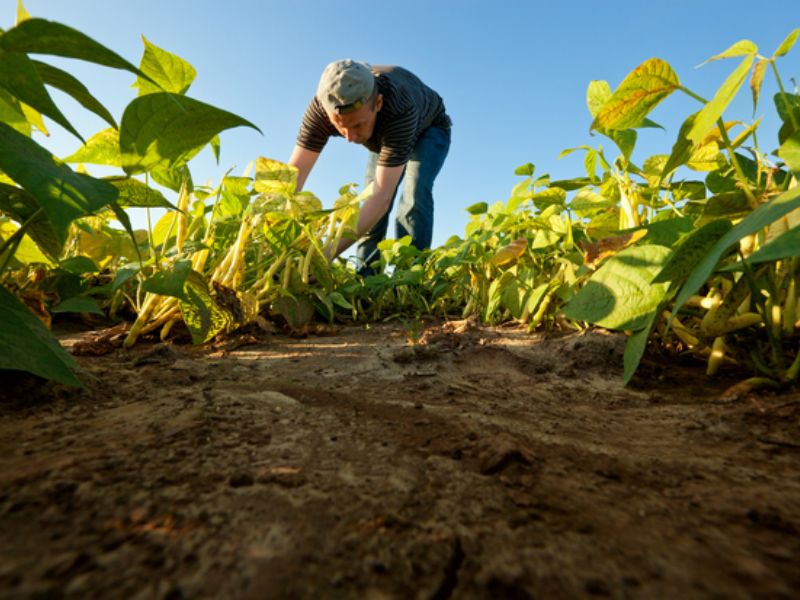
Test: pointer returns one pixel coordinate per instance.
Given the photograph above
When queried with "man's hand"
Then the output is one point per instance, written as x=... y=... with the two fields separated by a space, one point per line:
x=374 y=207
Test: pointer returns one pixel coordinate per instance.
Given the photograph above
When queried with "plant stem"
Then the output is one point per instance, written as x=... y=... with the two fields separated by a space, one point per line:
x=691 y=94
x=11 y=251
x=153 y=249
x=735 y=162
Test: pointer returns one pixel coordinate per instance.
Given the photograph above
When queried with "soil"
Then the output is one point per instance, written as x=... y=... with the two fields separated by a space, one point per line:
x=439 y=461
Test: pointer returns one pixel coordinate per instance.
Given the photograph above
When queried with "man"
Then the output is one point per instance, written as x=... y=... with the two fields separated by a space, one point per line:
x=403 y=123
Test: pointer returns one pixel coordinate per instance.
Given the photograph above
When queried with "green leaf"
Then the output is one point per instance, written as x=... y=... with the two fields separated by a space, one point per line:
x=761 y=217
x=712 y=111
x=691 y=250
x=12 y=113
x=787 y=105
x=100 y=149
x=170 y=283
x=682 y=148
x=78 y=265
x=169 y=72
x=538 y=294
x=204 y=317
x=787 y=44
x=638 y=94
x=172 y=177
x=513 y=297
x=340 y=301
x=790 y=152
x=620 y=294
x=732 y=205
x=479 y=208
x=133 y=192
x=169 y=129
x=668 y=232
x=27 y=345
x=569 y=185
x=548 y=197
x=588 y=200
x=625 y=139
x=18 y=75
x=297 y=311
x=63 y=194
x=68 y=84
x=636 y=346
x=526 y=169
x=38 y=36
x=20 y=205
x=124 y=275
x=78 y=304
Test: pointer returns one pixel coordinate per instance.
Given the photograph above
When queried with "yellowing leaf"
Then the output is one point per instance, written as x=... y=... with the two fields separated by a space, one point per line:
x=594 y=252
x=704 y=158
x=787 y=44
x=756 y=79
x=22 y=13
x=713 y=110
x=509 y=253
x=100 y=149
x=273 y=176
x=597 y=94
x=740 y=48
x=637 y=95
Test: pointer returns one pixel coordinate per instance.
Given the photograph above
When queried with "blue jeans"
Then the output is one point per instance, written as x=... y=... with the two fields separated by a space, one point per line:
x=415 y=210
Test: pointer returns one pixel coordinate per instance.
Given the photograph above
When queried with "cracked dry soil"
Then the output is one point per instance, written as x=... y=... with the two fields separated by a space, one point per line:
x=477 y=463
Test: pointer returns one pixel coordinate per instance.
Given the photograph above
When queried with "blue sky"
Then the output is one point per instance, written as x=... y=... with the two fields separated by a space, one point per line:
x=513 y=74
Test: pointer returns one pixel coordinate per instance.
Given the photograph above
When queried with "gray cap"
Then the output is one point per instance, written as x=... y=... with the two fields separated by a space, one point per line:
x=345 y=86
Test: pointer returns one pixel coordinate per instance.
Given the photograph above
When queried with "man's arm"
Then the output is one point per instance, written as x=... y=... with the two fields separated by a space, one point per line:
x=304 y=160
x=374 y=207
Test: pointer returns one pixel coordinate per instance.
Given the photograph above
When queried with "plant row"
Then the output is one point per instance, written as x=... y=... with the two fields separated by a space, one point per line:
x=694 y=251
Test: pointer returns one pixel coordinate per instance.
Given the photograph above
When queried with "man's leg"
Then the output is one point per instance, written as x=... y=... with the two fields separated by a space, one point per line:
x=415 y=210
x=367 y=250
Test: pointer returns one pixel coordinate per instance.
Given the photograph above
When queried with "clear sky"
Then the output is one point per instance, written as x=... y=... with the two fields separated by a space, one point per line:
x=513 y=74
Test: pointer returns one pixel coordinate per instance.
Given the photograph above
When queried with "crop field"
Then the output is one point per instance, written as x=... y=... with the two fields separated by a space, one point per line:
x=592 y=392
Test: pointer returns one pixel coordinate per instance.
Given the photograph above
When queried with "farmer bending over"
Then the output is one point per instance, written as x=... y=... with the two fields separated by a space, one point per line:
x=403 y=123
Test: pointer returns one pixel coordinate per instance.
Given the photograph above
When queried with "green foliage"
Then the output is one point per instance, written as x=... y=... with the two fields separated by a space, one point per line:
x=27 y=345
x=620 y=294
x=53 y=214
x=61 y=193
x=612 y=246
x=166 y=130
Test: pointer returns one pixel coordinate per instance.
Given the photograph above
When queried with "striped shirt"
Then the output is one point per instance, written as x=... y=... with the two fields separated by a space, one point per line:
x=409 y=108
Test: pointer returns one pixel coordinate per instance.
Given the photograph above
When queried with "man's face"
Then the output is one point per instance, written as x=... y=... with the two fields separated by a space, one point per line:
x=357 y=126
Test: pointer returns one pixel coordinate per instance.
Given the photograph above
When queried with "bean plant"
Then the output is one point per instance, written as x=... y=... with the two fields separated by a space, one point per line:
x=693 y=251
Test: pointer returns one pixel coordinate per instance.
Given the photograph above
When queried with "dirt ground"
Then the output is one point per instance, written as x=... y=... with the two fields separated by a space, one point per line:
x=366 y=463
